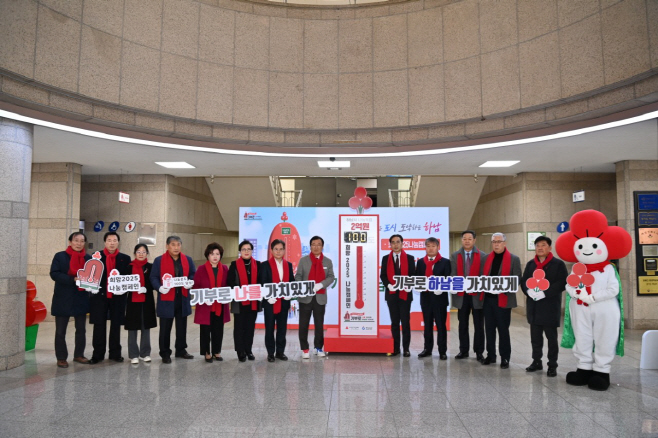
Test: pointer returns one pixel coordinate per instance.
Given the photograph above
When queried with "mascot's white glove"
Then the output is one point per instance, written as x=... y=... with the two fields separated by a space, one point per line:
x=586 y=298
x=317 y=287
x=391 y=287
x=540 y=295
x=164 y=290
x=271 y=301
x=142 y=290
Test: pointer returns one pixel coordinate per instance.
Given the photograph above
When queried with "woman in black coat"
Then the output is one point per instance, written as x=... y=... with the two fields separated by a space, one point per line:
x=68 y=300
x=140 y=308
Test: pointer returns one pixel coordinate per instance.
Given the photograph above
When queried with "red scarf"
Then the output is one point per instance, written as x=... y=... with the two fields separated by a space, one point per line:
x=541 y=265
x=597 y=266
x=277 y=279
x=317 y=271
x=242 y=273
x=77 y=261
x=429 y=264
x=505 y=270
x=167 y=267
x=138 y=269
x=474 y=271
x=215 y=282
x=110 y=263
x=404 y=270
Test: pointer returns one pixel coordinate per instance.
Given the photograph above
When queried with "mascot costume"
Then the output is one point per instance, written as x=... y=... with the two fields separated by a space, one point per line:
x=593 y=317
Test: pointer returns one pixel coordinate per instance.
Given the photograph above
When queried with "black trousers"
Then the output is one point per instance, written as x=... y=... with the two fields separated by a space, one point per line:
x=99 y=340
x=463 y=315
x=61 y=324
x=276 y=345
x=211 y=336
x=244 y=326
x=181 y=330
x=305 y=311
x=497 y=319
x=434 y=311
x=400 y=311
x=537 y=340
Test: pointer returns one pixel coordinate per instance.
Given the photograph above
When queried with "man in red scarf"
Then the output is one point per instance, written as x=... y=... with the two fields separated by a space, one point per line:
x=543 y=308
x=398 y=262
x=434 y=307
x=468 y=262
x=104 y=305
x=498 y=307
x=320 y=269
x=173 y=304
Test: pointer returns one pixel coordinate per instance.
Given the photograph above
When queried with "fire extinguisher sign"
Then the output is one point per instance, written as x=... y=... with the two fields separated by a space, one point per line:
x=359 y=276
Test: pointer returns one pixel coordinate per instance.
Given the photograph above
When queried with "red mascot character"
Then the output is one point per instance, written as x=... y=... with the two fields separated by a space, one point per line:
x=593 y=321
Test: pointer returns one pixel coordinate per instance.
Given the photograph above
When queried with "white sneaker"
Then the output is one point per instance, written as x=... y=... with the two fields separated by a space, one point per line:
x=319 y=352
x=146 y=359
x=305 y=354
x=134 y=361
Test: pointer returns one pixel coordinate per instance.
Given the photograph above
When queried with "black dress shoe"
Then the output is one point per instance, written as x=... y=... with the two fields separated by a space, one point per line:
x=479 y=357
x=166 y=360
x=251 y=356
x=242 y=357
x=406 y=354
x=94 y=361
x=461 y=356
x=504 y=364
x=395 y=353
x=270 y=358
x=281 y=356
x=488 y=361
x=218 y=358
x=185 y=355
x=535 y=366
x=443 y=357
x=117 y=359
x=425 y=353
x=209 y=359
x=552 y=372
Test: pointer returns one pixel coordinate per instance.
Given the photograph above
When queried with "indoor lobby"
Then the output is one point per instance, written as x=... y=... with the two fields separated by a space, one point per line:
x=171 y=117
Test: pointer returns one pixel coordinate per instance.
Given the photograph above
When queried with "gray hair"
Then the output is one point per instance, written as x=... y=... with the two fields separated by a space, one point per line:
x=432 y=240
x=502 y=235
x=174 y=239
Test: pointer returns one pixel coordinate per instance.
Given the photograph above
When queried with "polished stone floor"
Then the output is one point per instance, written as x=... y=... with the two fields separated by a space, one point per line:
x=341 y=395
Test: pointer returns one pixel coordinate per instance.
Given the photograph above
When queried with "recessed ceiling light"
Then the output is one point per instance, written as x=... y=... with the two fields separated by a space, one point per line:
x=499 y=163
x=334 y=164
x=175 y=164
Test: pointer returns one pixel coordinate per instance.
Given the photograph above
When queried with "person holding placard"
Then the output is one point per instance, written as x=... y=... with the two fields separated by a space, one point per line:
x=211 y=317
x=276 y=270
x=105 y=305
x=69 y=300
x=398 y=262
x=242 y=272
x=173 y=304
x=434 y=307
x=318 y=268
x=140 y=308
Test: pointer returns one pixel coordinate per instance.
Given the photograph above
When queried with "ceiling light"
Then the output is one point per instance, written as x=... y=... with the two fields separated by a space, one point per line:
x=334 y=164
x=175 y=164
x=499 y=163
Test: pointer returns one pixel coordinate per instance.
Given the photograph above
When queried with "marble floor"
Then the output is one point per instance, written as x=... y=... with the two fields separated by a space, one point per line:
x=341 y=395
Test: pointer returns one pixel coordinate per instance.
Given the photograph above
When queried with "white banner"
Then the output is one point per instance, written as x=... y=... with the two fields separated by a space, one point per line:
x=253 y=292
x=438 y=285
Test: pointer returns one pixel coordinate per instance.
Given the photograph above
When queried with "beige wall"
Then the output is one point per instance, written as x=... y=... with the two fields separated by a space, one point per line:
x=54 y=215
x=640 y=312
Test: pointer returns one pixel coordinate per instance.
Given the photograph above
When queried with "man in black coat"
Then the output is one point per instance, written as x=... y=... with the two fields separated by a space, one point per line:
x=434 y=307
x=104 y=305
x=398 y=262
x=543 y=308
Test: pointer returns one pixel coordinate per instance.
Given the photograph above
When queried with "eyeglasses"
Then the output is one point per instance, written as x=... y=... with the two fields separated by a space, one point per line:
x=497 y=241
x=141 y=252
x=246 y=250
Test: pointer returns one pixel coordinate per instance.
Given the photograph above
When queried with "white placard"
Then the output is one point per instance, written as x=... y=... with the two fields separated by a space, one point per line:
x=121 y=284
x=124 y=197
x=253 y=292
x=169 y=282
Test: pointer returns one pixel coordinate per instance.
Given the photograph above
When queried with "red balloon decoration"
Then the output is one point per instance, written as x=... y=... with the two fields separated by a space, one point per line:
x=360 y=201
x=35 y=311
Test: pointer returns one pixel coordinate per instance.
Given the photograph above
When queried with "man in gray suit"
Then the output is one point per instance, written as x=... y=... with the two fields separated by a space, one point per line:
x=318 y=268
x=498 y=307
x=468 y=262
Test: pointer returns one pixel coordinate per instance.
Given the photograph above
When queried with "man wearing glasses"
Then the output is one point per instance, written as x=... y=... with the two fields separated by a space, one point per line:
x=498 y=307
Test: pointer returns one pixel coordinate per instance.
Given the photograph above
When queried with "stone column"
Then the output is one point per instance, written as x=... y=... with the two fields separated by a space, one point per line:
x=640 y=312
x=15 y=164
x=54 y=215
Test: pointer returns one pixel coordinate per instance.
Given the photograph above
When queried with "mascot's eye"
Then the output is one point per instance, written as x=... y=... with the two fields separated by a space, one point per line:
x=580 y=246
x=595 y=246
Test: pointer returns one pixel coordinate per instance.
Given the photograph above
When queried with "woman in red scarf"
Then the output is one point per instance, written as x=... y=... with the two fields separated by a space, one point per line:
x=211 y=318
x=68 y=300
x=242 y=272
x=140 y=308
x=276 y=270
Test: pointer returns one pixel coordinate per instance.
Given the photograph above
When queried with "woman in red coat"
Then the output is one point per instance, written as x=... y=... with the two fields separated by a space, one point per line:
x=211 y=318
